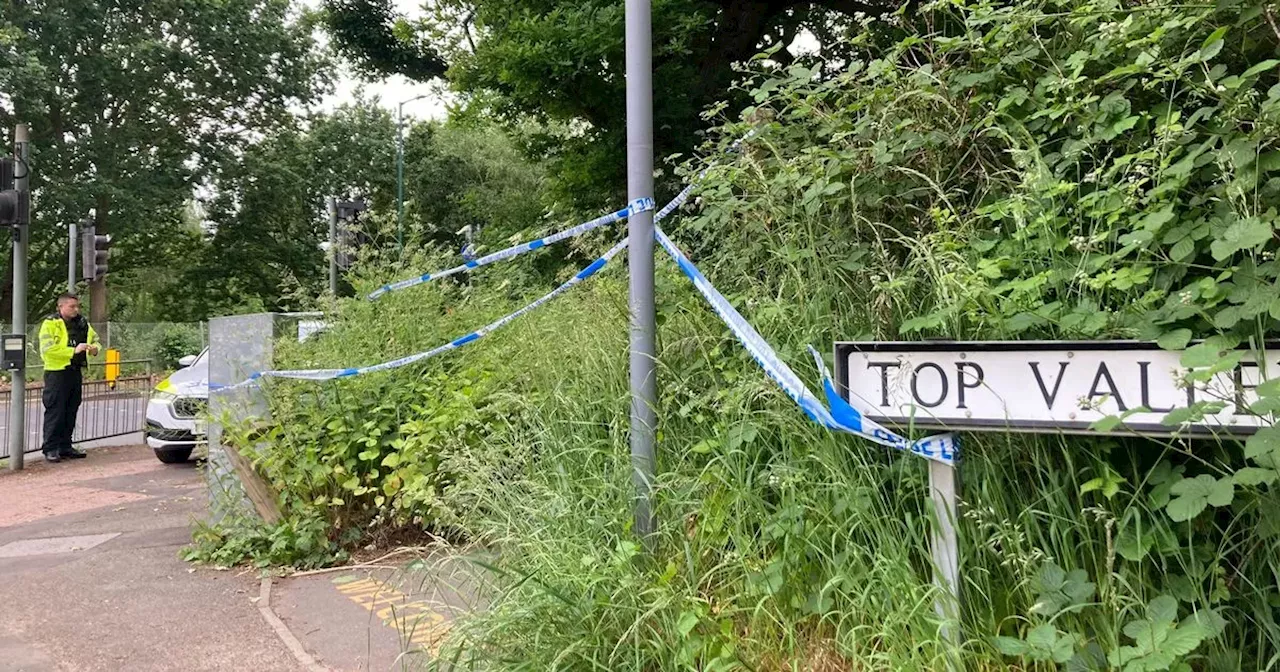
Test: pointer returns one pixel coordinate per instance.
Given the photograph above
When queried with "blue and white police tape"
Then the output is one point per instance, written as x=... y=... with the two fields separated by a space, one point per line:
x=839 y=415
x=329 y=374
x=637 y=206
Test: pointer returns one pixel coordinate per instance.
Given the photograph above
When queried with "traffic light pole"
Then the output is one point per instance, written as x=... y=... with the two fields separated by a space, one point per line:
x=333 y=246
x=644 y=380
x=71 y=257
x=18 y=389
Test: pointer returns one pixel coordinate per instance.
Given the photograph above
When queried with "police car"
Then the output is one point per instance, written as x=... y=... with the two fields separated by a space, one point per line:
x=176 y=410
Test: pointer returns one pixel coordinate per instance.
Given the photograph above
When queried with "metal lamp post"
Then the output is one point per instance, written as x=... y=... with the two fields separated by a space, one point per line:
x=400 y=171
x=644 y=383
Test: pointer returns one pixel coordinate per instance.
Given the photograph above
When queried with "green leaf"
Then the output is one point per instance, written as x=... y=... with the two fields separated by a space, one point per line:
x=1042 y=636
x=1163 y=609
x=1265 y=406
x=1024 y=321
x=1228 y=317
x=1164 y=473
x=1125 y=124
x=1183 y=640
x=1063 y=649
x=1193 y=495
x=706 y=445
x=1056 y=589
x=1183 y=249
x=1210 y=622
x=1264 y=443
x=1174 y=340
x=1089 y=659
x=1215 y=36
x=1255 y=476
x=1158 y=645
x=1242 y=152
x=1201 y=355
x=923 y=323
x=1109 y=482
x=1133 y=546
x=1269 y=388
x=1192 y=413
x=687 y=622
x=1011 y=646
x=351 y=483
x=741 y=434
x=1153 y=221
x=369 y=455
x=391 y=461
x=1261 y=67
x=1106 y=424
x=1212 y=44
x=1243 y=234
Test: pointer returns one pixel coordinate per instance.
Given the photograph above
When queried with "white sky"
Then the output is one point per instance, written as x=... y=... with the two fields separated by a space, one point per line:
x=390 y=91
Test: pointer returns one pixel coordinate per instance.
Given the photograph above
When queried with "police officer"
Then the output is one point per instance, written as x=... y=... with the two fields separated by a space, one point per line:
x=66 y=340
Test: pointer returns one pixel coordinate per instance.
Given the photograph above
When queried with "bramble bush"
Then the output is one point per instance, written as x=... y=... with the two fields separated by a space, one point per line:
x=1070 y=169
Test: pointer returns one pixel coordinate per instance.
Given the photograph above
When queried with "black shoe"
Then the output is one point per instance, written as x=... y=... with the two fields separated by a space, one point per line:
x=71 y=453
x=52 y=457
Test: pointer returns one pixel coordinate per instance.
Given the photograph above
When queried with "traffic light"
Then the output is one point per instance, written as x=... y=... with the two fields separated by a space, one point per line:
x=96 y=251
x=15 y=206
x=348 y=234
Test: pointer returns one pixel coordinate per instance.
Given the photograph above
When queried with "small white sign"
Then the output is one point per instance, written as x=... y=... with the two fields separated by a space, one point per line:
x=1045 y=386
x=308 y=328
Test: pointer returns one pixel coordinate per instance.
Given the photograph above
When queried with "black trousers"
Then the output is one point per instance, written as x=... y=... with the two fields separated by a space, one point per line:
x=61 y=404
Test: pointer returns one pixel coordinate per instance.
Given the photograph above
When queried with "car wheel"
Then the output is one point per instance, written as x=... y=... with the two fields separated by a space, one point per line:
x=174 y=456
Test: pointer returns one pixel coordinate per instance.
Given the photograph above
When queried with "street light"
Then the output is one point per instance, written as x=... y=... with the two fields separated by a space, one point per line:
x=400 y=171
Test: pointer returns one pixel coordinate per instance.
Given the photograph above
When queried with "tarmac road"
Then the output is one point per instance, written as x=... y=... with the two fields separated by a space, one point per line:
x=92 y=578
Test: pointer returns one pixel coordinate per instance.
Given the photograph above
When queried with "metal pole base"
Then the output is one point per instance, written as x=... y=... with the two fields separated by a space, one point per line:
x=946 y=551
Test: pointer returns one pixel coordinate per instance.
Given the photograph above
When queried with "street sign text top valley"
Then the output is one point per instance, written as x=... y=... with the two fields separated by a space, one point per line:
x=1043 y=386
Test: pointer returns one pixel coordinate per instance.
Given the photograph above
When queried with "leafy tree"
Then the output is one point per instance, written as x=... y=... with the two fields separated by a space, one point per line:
x=562 y=61
x=268 y=217
x=470 y=174
x=133 y=103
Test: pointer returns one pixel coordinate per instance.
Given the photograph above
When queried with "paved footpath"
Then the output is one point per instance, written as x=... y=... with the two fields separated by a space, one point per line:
x=91 y=578
x=392 y=618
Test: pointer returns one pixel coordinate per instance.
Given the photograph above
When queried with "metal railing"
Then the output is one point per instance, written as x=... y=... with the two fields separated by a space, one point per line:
x=107 y=408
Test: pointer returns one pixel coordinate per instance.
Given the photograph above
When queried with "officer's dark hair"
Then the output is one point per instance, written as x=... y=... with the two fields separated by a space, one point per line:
x=65 y=297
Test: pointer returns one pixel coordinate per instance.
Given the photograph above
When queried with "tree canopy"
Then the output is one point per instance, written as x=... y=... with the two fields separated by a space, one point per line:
x=561 y=62
x=131 y=104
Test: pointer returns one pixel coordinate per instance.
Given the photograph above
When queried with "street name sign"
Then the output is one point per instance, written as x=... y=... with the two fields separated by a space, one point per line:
x=1043 y=386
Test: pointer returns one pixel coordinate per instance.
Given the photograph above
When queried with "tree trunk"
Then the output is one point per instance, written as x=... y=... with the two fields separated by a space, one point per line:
x=742 y=23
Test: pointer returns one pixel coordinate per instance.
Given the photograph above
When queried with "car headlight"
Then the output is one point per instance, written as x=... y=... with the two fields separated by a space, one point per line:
x=162 y=396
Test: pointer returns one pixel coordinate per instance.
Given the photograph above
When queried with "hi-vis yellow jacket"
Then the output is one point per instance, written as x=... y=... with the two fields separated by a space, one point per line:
x=56 y=348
